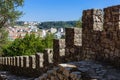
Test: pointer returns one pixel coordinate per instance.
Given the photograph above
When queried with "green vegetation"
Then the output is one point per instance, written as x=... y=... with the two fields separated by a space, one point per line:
x=78 y=24
x=29 y=45
x=8 y=15
x=9 y=12
x=57 y=24
x=3 y=40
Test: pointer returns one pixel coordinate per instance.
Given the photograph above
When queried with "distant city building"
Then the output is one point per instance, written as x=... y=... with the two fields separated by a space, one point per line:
x=24 y=27
x=60 y=33
x=20 y=32
x=44 y=33
x=53 y=30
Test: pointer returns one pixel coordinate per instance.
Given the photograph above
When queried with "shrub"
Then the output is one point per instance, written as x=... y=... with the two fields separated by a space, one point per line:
x=29 y=45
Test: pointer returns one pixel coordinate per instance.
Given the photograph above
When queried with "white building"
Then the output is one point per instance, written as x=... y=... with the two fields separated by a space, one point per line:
x=53 y=30
x=43 y=33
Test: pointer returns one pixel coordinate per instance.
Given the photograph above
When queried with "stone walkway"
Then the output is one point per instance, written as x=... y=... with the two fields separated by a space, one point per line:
x=83 y=70
x=5 y=75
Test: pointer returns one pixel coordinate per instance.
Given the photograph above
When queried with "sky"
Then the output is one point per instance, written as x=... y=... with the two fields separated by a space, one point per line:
x=60 y=10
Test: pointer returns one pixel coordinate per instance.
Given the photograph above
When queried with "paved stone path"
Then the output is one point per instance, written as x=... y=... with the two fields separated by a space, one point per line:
x=83 y=70
x=5 y=75
x=97 y=71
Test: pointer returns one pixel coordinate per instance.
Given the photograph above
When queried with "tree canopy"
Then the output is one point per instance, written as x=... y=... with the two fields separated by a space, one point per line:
x=79 y=23
x=29 y=45
x=57 y=24
x=9 y=12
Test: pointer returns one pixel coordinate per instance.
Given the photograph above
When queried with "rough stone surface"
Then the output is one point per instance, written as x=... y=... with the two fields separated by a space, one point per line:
x=32 y=63
x=5 y=75
x=21 y=61
x=48 y=58
x=25 y=61
x=58 y=50
x=39 y=60
x=73 y=42
x=82 y=70
x=102 y=44
x=96 y=40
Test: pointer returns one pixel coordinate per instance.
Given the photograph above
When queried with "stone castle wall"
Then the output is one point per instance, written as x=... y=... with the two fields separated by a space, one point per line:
x=98 y=39
x=32 y=65
x=101 y=38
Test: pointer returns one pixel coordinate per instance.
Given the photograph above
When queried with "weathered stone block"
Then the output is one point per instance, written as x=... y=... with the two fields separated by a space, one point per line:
x=73 y=37
x=32 y=62
x=112 y=18
x=48 y=57
x=21 y=61
x=92 y=19
x=39 y=60
x=8 y=61
x=60 y=43
x=4 y=61
x=25 y=61
x=0 y=60
x=58 y=50
x=13 y=61
x=17 y=61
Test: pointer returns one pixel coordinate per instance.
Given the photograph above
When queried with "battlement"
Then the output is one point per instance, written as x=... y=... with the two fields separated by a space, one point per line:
x=99 y=20
x=101 y=30
x=98 y=39
x=92 y=19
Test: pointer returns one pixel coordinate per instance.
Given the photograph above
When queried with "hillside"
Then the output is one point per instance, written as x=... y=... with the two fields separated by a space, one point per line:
x=57 y=24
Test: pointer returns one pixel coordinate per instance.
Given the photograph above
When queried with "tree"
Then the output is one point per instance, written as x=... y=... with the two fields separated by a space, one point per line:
x=48 y=41
x=8 y=15
x=3 y=39
x=29 y=45
x=79 y=23
x=9 y=12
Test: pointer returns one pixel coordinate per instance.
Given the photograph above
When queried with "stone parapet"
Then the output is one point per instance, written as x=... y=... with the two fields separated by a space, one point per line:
x=32 y=61
x=58 y=50
x=98 y=39
x=25 y=61
x=48 y=58
x=39 y=60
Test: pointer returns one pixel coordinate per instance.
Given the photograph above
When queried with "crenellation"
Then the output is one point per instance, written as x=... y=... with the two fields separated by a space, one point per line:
x=16 y=61
x=58 y=50
x=21 y=61
x=73 y=42
x=13 y=61
x=48 y=57
x=5 y=60
x=98 y=39
x=0 y=60
x=32 y=63
x=103 y=44
x=91 y=32
x=112 y=18
x=78 y=37
x=10 y=61
x=39 y=60
x=25 y=61
x=73 y=37
x=92 y=19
